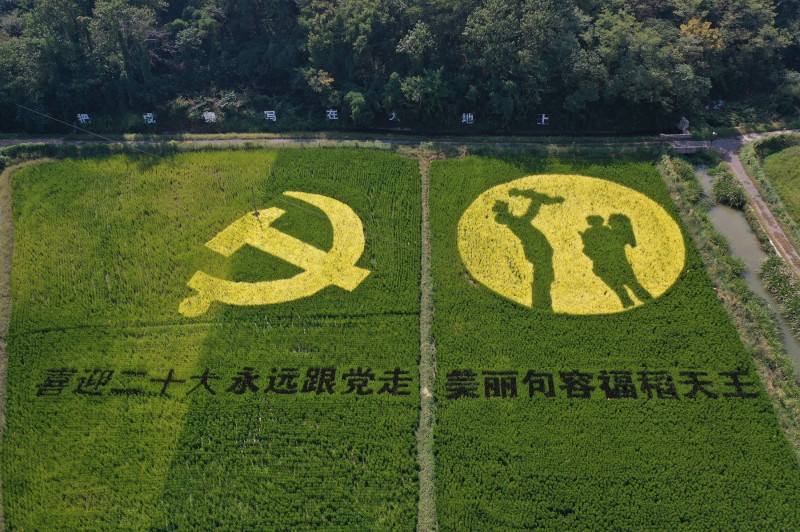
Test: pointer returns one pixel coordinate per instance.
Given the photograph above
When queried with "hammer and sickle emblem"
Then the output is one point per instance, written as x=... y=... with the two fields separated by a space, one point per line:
x=334 y=267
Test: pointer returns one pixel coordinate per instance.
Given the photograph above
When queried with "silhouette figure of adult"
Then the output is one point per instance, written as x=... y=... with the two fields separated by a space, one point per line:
x=605 y=246
x=538 y=250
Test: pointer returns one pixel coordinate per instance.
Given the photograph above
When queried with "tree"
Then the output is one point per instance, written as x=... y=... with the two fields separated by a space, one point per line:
x=127 y=43
x=57 y=50
x=520 y=53
x=751 y=45
x=427 y=94
x=646 y=70
x=360 y=112
x=350 y=39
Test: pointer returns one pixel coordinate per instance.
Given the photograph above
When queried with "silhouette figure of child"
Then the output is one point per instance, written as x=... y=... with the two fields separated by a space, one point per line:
x=605 y=246
x=538 y=250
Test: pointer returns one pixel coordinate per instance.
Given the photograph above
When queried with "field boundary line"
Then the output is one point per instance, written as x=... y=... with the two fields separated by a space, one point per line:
x=426 y=518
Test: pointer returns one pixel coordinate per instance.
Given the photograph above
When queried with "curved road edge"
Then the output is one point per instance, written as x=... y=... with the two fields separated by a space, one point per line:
x=729 y=149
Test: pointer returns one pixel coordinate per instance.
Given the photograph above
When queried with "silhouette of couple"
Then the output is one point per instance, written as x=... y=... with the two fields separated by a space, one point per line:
x=603 y=244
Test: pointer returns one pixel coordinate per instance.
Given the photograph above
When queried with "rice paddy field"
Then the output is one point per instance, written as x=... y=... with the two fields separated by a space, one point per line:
x=125 y=414
x=176 y=362
x=578 y=420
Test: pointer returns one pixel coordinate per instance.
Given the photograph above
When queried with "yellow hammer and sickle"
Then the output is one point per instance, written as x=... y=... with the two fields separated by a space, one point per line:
x=321 y=268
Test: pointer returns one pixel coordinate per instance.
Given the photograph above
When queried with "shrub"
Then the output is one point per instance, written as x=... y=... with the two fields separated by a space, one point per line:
x=727 y=189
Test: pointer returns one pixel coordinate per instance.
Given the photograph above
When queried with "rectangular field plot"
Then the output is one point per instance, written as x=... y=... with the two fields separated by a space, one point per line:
x=610 y=392
x=136 y=401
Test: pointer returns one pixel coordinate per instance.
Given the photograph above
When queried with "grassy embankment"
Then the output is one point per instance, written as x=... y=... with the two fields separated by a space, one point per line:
x=774 y=164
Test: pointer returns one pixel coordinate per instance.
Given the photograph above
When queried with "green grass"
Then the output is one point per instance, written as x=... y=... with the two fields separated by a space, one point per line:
x=104 y=248
x=595 y=464
x=783 y=169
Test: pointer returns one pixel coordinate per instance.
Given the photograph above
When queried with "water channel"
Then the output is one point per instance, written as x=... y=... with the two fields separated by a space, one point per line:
x=745 y=245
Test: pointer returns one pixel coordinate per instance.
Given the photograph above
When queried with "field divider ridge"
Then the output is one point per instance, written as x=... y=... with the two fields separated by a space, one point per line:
x=427 y=519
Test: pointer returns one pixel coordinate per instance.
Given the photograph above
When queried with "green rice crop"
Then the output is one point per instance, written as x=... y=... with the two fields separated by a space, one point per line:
x=104 y=248
x=596 y=463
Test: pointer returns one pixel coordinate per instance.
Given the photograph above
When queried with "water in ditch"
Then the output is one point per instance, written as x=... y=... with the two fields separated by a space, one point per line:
x=745 y=245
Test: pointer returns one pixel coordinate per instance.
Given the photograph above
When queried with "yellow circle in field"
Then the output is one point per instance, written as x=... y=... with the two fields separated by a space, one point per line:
x=612 y=248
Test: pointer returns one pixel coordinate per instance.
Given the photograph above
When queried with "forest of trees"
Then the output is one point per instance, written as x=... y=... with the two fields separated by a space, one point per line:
x=592 y=65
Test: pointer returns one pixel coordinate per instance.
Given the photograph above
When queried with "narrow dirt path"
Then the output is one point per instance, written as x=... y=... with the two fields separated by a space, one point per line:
x=426 y=517
x=312 y=142
x=729 y=148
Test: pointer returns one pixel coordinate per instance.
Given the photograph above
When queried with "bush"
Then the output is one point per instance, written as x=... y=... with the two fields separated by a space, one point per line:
x=781 y=281
x=727 y=190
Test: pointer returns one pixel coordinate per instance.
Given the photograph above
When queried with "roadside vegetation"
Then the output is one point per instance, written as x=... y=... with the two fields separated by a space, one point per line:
x=776 y=193
x=751 y=315
x=773 y=163
x=783 y=171
x=727 y=189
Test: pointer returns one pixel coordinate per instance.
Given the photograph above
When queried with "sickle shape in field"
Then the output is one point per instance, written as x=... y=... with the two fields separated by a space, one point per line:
x=321 y=268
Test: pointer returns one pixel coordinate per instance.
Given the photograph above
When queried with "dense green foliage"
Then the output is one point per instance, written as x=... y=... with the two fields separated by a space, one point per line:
x=590 y=64
x=783 y=283
x=727 y=189
x=104 y=248
x=557 y=463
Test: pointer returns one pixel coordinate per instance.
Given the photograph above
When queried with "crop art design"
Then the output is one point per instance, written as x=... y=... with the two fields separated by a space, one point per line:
x=321 y=268
x=571 y=244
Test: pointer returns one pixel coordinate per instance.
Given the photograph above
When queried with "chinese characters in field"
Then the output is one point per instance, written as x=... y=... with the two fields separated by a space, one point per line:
x=616 y=384
x=315 y=380
x=605 y=384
